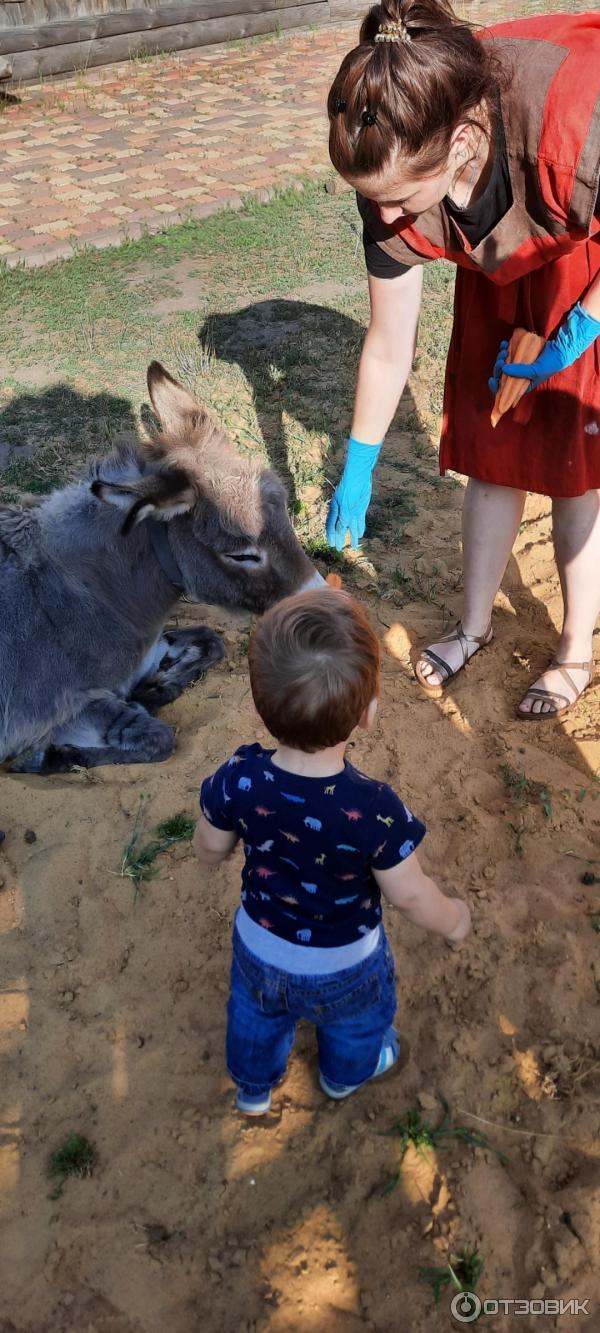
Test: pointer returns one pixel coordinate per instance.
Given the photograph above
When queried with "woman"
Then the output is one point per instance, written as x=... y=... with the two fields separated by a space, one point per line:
x=485 y=151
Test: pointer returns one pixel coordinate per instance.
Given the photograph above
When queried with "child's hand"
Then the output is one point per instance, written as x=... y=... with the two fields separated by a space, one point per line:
x=463 y=925
x=421 y=901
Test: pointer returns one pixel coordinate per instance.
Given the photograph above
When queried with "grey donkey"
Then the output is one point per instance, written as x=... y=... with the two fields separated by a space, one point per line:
x=89 y=577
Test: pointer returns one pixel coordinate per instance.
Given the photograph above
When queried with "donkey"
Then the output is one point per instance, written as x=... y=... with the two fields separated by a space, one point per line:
x=89 y=577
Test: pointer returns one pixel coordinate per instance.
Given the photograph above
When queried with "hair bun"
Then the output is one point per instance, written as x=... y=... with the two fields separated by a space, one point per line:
x=417 y=72
x=412 y=16
x=392 y=32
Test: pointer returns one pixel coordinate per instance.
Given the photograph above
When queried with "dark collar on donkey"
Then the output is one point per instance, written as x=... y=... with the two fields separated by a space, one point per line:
x=159 y=541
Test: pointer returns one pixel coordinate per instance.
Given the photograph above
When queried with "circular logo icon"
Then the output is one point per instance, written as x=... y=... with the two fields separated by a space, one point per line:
x=466 y=1307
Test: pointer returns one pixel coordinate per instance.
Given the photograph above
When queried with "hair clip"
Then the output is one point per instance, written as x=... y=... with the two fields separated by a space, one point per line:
x=393 y=32
x=369 y=117
x=340 y=105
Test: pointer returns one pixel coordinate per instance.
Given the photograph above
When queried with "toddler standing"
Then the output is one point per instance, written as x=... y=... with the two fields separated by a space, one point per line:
x=322 y=843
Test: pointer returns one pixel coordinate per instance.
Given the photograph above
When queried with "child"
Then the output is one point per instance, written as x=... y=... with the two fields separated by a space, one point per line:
x=322 y=842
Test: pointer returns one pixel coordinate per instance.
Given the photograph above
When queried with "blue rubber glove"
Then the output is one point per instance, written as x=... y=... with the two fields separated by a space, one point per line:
x=494 y=382
x=352 y=495
x=578 y=332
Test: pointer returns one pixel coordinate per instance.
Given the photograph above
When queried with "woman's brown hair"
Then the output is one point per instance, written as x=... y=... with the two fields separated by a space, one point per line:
x=409 y=92
x=314 y=668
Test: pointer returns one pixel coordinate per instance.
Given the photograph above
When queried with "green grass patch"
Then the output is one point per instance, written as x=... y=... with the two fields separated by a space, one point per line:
x=414 y=1131
x=262 y=314
x=75 y=1157
x=138 y=861
x=317 y=549
x=91 y=320
x=522 y=788
x=276 y=367
x=462 y=1272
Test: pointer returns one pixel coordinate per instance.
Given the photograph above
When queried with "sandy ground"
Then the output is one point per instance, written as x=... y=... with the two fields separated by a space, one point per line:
x=112 y=1013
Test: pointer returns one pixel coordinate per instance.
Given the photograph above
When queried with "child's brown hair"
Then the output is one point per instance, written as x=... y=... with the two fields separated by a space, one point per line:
x=314 y=668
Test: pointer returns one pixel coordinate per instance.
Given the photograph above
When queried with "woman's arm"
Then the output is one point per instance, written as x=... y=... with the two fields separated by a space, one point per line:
x=385 y=363
x=578 y=331
x=388 y=352
x=591 y=300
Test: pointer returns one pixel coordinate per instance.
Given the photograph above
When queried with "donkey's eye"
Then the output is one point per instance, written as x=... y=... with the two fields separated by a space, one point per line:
x=251 y=557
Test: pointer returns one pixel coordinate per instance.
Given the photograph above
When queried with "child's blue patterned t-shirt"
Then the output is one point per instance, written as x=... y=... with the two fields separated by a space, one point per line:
x=310 y=844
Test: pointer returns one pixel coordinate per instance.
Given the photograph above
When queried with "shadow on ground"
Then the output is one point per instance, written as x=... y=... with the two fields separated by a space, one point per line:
x=300 y=362
x=45 y=436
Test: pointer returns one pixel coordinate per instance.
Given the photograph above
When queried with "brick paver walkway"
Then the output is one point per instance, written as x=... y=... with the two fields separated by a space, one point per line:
x=97 y=157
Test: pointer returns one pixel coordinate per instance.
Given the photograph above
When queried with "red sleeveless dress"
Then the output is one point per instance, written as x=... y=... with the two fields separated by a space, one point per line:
x=533 y=266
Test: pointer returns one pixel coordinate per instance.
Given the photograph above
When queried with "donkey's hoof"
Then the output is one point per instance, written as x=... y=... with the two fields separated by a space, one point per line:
x=206 y=644
x=31 y=761
x=189 y=655
x=55 y=759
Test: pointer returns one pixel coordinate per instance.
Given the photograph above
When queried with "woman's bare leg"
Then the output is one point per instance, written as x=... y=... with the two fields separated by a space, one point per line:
x=576 y=525
x=490 y=523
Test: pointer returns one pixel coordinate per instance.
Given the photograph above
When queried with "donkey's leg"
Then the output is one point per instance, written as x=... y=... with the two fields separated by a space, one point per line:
x=109 y=731
x=180 y=657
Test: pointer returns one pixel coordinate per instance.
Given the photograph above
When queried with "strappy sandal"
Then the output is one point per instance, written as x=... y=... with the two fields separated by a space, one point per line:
x=560 y=701
x=457 y=636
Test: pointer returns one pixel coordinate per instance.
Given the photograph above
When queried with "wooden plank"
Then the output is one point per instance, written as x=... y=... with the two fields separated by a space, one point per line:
x=52 y=9
x=343 y=11
x=74 y=30
x=72 y=10
x=12 y=16
x=61 y=59
x=110 y=24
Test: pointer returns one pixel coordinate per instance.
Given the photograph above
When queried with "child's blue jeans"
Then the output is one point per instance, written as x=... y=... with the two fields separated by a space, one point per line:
x=351 y=1011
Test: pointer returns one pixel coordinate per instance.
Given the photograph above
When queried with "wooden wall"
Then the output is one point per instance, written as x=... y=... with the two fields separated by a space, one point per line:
x=45 y=37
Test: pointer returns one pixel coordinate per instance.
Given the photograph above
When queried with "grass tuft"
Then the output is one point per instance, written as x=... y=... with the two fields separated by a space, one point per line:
x=462 y=1272
x=76 y=1157
x=525 y=789
x=318 y=549
x=138 y=862
x=179 y=828
x=416 y=1132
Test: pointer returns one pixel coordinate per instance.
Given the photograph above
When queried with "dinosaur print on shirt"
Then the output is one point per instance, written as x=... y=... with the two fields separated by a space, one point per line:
x=298 y=859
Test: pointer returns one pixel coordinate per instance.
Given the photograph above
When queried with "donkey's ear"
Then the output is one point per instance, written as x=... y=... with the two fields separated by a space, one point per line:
x=161 y=495
x=177 y=410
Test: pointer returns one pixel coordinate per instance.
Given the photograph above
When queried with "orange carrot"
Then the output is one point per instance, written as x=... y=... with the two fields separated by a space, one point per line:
x=523 y=347
x=334 y=580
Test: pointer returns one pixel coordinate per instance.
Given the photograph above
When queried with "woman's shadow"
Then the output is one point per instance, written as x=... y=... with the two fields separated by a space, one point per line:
x=290 y=352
